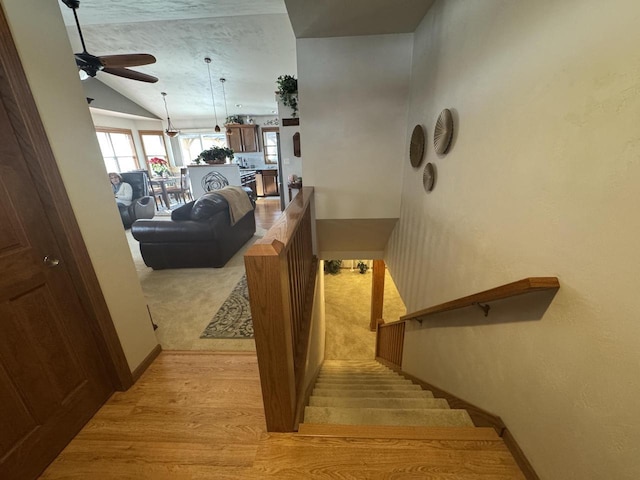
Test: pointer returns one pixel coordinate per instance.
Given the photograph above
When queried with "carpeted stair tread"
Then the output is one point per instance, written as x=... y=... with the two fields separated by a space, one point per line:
x=388 y=416
x=373 y=392
x=371 y=376
x=366 y=402
x=363 y=379
x=340 y=363
x=399 y=431
x=368 y=386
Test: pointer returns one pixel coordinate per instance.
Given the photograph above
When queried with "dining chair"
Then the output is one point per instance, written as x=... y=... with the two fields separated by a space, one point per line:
x=156 y=191
x=183 y=190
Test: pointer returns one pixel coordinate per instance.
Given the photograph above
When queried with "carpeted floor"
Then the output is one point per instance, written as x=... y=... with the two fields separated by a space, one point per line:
x=184 y=301
x=348 y=312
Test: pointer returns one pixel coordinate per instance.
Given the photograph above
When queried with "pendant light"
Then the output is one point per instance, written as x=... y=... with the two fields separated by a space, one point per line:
x=224 y=94
x=171 y=131
x=208 y=62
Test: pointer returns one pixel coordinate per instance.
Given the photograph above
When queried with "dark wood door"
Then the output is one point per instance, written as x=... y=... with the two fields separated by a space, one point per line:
x=52 y=378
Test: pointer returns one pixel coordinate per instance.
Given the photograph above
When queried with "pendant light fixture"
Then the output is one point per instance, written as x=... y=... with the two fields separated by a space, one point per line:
x=224 y=94
x=171 y=131
x=208 y=62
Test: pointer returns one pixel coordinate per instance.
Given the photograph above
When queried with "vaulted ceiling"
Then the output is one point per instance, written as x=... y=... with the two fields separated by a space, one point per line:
x=250 y=43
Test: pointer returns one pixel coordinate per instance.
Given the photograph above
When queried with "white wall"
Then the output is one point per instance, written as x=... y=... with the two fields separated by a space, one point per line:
x=47 y=58
x=291 y=165
x=542 y=180
x=353 y=111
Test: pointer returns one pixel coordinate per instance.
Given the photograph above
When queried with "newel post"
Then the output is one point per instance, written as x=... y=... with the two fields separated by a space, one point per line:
x=267 y=278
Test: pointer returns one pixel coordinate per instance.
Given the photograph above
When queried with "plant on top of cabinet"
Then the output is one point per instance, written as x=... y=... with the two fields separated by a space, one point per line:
x=288 y=91
x=215 y=155
x=234 y=119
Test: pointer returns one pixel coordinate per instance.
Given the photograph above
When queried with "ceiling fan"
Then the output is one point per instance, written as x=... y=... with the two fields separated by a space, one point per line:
x=113 y=64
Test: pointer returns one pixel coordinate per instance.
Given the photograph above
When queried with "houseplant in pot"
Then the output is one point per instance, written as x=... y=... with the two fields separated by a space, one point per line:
x=215 y=155
x=288 y=91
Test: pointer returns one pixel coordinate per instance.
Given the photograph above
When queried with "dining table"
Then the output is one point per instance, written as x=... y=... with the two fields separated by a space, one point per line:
x=162 y=182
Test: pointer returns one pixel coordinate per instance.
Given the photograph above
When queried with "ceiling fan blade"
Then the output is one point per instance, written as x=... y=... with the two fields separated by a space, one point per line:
x=127 y=60
x=132 y=74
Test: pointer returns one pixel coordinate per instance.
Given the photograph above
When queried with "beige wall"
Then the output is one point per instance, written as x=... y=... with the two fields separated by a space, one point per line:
x=44 y=49
x=542 y=179
x=353 y=110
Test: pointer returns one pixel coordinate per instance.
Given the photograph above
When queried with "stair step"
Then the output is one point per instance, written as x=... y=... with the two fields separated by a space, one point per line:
x=323 y=392
x=350 y=402
x=362 y=379
x=399 y=431
x=388 y=416
x=367 y=386
x=374 y=374
x=293 y=456
x=387 y=381
x=340 y=363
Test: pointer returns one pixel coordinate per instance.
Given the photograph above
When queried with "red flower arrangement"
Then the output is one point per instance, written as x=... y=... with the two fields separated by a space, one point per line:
x=159 y=165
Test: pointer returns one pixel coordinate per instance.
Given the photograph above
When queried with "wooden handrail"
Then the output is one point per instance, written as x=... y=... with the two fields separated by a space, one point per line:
x=281 y=270
x=526 y=285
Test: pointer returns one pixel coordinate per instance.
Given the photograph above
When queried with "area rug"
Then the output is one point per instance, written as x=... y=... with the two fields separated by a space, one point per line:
x=233 y=319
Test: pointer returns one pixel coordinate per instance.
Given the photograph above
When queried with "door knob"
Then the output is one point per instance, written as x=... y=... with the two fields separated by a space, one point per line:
x=50 y=261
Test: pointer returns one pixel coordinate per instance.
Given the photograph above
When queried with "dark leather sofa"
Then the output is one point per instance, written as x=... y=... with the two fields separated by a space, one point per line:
x=199 y=234
x=143 y=205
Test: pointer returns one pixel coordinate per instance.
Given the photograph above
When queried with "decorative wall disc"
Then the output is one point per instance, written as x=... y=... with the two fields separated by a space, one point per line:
x=443 y=132
x=429 y=177
x=416 y=147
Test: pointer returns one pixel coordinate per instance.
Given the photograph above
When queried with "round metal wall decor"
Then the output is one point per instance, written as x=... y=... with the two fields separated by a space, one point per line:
x=429 y=177
x=443 y=132
x=416 y=147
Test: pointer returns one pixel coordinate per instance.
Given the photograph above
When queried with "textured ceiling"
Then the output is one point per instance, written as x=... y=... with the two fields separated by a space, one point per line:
x=251 y=43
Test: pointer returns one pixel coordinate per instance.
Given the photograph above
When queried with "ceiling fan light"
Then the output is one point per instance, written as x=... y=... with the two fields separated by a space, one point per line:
x=83 y=75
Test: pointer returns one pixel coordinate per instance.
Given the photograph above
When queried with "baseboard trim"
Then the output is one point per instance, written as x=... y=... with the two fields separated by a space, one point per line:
x=137 y=373
x=480 y=417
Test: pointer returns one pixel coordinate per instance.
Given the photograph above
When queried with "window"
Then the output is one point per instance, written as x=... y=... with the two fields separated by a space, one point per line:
x=117 y=148
x=270 y=144
x=153 y=145
x=192 y=144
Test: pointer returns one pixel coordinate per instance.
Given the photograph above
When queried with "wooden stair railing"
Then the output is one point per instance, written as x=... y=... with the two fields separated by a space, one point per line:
x=390 y=336
x=281 y=271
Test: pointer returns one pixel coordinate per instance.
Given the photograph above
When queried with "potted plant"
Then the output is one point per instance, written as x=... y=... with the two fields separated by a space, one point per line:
x=332 y=266
x=215 y=155
x=234 y=119
x=159 y=166
x=362 y=266
x=288 y=91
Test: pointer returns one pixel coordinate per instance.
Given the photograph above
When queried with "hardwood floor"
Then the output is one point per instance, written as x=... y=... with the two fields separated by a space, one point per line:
x=267 y=211
x=195 y=415
x=191 y=415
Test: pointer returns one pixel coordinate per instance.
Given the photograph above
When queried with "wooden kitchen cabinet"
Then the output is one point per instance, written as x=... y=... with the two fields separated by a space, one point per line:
x=242 y=138
x=270 y=182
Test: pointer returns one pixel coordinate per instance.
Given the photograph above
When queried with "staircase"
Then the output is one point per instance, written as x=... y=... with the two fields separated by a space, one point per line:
x=368 y=393
x=364 y=421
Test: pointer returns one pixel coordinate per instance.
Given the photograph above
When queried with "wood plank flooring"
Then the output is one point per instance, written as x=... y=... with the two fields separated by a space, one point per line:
x=191 y=415
x=197 y=415
x=267 y=212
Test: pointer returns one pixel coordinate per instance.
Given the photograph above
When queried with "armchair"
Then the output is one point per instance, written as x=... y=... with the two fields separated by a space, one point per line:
x=143 y=205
